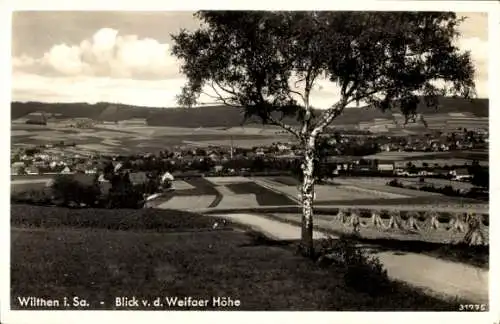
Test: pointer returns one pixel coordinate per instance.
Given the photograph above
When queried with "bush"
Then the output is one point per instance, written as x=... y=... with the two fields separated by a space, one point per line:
x=125 y=197
x=449 y=191
x=361 y=272
x=395 y=183
x=429 y=188
x=67 y=191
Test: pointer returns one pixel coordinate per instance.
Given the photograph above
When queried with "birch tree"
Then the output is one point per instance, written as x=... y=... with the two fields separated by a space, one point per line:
x=269 y=65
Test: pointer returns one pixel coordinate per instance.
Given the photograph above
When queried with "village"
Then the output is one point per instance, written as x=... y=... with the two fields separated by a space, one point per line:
x=420 y=155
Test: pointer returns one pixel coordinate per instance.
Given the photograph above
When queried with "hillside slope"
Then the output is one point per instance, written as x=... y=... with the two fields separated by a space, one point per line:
x=220 y=116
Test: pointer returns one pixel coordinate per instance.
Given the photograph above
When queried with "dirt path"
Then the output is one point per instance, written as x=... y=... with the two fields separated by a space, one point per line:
x=436 y=276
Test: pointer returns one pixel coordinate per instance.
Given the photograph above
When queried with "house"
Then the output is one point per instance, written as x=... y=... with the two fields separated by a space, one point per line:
x=40 y=164
x=32 y=170
x=460 y=174
x=385 y=147
x=400 y=164
x=53 y=164
x=66 y=170
x=425 y=173
x=441 y=172
x=17 y=170
x=283 y=147
x=385 y=167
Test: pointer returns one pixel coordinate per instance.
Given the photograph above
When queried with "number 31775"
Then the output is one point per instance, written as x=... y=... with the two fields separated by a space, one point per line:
x=473 y=307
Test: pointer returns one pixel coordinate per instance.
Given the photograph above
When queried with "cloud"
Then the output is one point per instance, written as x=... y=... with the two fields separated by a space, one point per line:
x=151 y=93
x=479 y=50
x=109 y=66
x=106 y=53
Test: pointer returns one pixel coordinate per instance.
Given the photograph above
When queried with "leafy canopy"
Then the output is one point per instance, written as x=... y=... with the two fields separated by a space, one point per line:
x=268 y=62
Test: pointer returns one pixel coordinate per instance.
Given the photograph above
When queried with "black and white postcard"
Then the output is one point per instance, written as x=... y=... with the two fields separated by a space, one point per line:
x=181 y=161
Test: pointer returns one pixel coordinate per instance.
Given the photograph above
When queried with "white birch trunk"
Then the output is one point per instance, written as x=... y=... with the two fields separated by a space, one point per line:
x=308 y=196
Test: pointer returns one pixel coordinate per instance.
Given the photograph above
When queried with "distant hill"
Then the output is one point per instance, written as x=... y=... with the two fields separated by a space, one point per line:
x=219 y=116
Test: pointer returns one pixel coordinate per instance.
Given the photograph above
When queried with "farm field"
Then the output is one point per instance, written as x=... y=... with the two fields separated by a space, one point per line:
x=264 y=196
x=367 y=231
x=440 y=183
x=330 y=192
x=380 y=183
x=239 y=192
x=135 y=139
x=19 y=186
x=481 y=155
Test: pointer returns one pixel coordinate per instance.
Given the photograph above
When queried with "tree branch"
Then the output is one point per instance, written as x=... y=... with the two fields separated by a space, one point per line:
x=299 y=94
x=328 y=116
x=274 y=121
x=219 y=97
x=307 y=91
x=289 y=128
x=233 y=93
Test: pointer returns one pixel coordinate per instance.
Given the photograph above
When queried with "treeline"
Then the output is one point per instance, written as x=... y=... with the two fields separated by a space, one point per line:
x=73 y=192
x=218 y=116
x=446 y=190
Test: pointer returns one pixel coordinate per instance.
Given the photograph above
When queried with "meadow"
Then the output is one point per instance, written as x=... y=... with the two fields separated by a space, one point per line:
x=453 y=156
x=199 y=193
x=380 y=183
x=173 y=253
x=121 y=139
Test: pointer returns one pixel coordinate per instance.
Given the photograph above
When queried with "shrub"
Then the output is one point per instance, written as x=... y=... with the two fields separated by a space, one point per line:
x=395 y=183
x=449 y=191
x=361 y=272
x=68 y=191
x=429 y=188
x=127 y=196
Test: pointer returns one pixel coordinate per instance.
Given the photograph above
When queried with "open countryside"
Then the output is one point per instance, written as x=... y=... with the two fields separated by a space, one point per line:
x=255 y=200
x=254 y=197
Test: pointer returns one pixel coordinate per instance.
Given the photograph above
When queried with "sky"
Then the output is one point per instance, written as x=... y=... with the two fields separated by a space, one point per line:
x=124 y=57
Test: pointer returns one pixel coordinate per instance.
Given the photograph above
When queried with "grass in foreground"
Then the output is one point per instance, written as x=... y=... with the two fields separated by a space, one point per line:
x=111 y=219
x=56 y=260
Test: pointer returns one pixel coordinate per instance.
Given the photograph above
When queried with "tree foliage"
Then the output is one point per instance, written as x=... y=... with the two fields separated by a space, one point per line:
x=269 y=62
x=67 y=191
